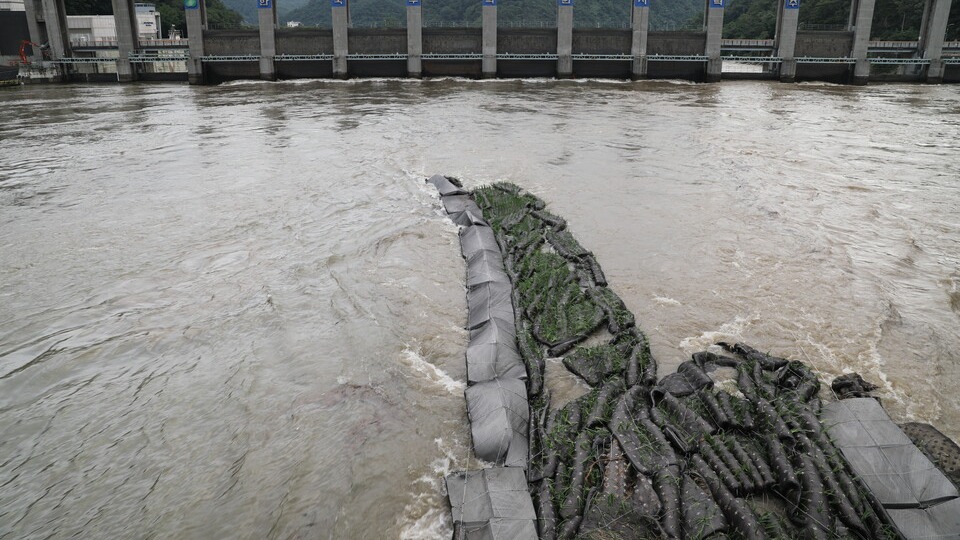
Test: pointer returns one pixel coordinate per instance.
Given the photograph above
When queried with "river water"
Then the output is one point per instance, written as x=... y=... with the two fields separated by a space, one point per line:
x=235 y=311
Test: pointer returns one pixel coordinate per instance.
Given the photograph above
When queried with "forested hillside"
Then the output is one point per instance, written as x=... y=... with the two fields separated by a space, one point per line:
x=668 y=15
x=893 y=19
x=750 y=19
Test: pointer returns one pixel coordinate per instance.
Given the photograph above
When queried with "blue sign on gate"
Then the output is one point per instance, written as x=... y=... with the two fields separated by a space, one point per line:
x=641 y=3
x=718 y=3
x=264 y=4
x=413 y=3
x=791 y=4
x=338 y=3
x=489 y=2
x=564 y=2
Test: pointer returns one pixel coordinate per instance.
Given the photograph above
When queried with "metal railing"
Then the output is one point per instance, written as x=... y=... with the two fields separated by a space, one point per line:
x=302 y=57
x=153 y=58
x=142 y=44
x=823 y=27
x=676 y=58
x=231 y=58
x=754 y=59
x=540 y=56
x=531 y=23
x=604 y=24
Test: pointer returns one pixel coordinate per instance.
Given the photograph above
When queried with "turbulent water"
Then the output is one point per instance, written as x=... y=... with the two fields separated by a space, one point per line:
x=236 y=311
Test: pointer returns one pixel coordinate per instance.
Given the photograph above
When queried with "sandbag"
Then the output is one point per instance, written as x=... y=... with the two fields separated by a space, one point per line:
x=491 y=504
x=489 y=301
x=499 y=414
x=486 y=266
x=459 y=203
x=701 y=515
x=492 y=353
x=445 y=186
x=468 y=217
x=475 y=239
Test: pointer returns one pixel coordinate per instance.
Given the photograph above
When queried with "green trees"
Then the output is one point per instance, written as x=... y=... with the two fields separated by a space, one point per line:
x=747 y=19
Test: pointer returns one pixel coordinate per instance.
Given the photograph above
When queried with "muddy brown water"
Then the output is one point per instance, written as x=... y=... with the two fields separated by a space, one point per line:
x=236 y=311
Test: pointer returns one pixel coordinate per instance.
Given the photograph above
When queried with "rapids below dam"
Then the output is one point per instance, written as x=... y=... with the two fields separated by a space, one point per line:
x=234 y=311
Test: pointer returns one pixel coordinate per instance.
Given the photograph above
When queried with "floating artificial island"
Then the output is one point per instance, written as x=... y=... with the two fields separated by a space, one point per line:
x=732 y=445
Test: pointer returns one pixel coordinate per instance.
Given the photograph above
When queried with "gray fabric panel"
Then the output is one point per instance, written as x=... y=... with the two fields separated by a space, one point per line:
x=445 y=186
x=508 y=529
x=468 y=218
x=459 y=203
x=492 y=352
x=474 y=239
x=499 y=415
x=489 y=301
x=939 y=522
x=486 y=266
x=473 y=531
x=468 y=495
x=508 y=493
x=492 y=504
x=895 y=471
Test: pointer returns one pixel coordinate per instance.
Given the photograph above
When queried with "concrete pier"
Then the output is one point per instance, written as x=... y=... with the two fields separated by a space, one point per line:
x=861 y=13
x=932 y=32
x=340 y=11
x=640 y=25
x=414 y=38
x=713 y=26
x=128 y=40
x=47 y=23
x=195 y=12
x=267 y=12
x=785 y=42
x=34 y=12
x=564 y=39
x=489 y=68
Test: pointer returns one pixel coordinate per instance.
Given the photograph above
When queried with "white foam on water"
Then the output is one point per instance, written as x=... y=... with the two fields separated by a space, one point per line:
x=874 y=363
x=427 y=516
x=666 y=301
x=414 y=360
x=730 y=331
x=244 y=82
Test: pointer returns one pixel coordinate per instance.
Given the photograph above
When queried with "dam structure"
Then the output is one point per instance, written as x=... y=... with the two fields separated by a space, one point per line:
x=272 y=52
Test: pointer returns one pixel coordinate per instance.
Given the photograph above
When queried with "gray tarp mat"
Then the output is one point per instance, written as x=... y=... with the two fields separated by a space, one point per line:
x=499 y=415
x=492 y=504
x=938 y=522
x=489 y=301
x=476 y=239
x=445 y=186
x=492 y=352
x=486 y=266
x=459 y=203
x=901 y=478
x=468 y=218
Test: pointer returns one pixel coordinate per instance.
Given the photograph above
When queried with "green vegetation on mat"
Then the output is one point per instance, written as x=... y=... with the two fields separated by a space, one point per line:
x=695 y=461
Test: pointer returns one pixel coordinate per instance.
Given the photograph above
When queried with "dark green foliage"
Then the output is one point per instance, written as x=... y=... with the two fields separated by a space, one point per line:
x=747 y=19
x=594 y=364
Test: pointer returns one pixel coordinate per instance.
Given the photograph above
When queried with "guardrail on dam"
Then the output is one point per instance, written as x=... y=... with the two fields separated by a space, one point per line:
x=271 y=52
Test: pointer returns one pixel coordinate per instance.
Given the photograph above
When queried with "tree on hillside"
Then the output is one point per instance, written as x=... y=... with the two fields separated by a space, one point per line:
x=897 y=19
x=829 y=13
x=750 y=19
